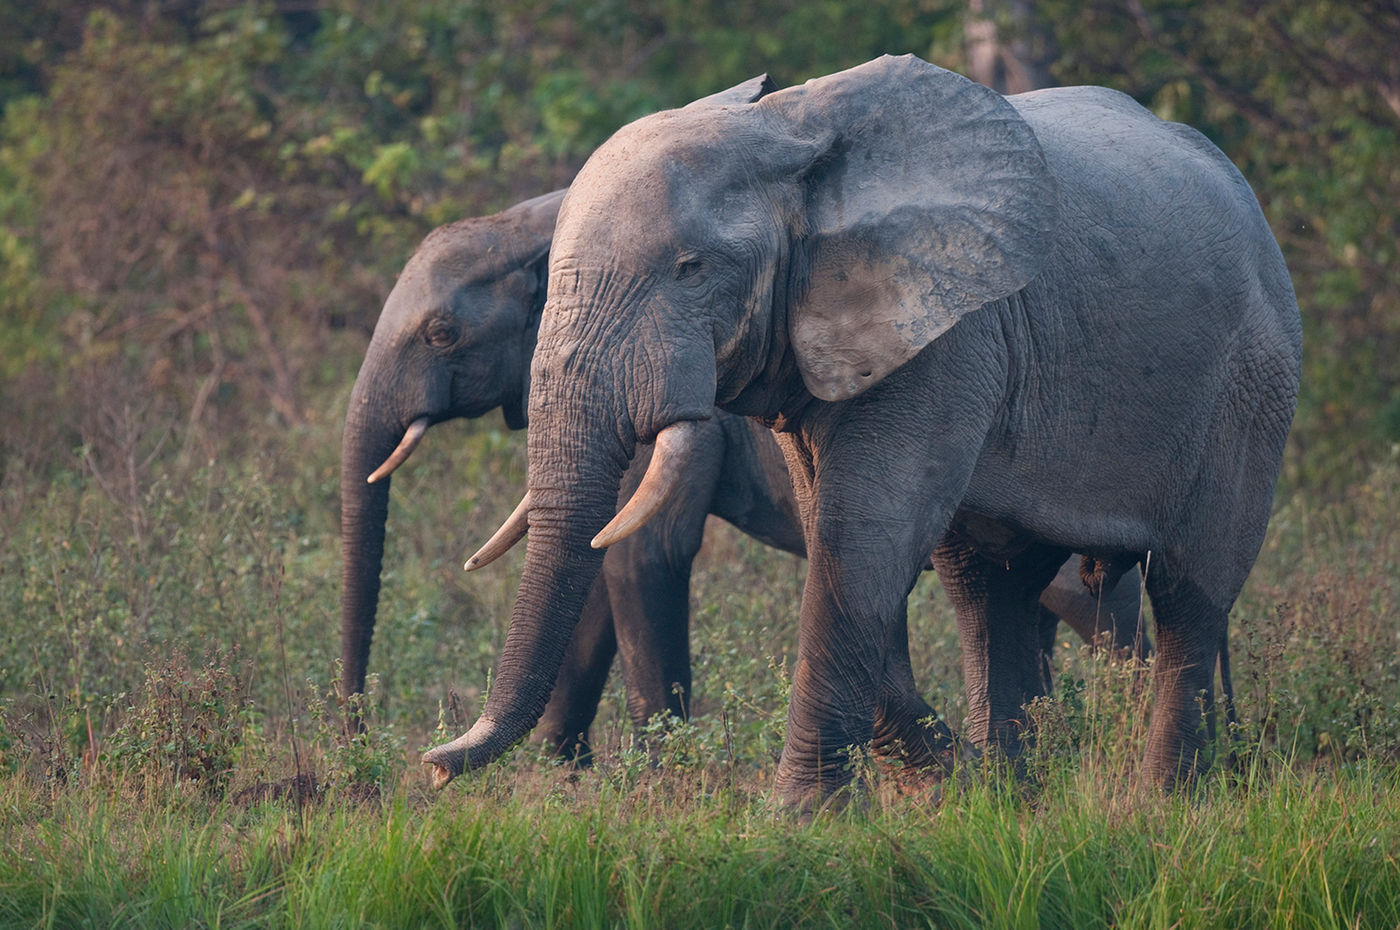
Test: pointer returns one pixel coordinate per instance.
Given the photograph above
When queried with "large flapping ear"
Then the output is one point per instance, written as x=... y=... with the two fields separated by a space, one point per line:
x=750 y=91
x=929 y=198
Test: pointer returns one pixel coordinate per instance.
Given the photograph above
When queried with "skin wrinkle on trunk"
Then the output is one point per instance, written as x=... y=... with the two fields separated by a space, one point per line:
x=541 y=625
x=574 y=479
x=364 y=511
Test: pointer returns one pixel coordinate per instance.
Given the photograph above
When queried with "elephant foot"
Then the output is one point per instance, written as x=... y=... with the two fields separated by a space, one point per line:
x=1172 y=769
x=909 y=734
x=930 y=750
x=805 y=805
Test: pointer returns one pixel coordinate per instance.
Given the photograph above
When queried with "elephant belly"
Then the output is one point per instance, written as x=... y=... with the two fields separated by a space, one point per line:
x=994 y=539
x=1003 y=538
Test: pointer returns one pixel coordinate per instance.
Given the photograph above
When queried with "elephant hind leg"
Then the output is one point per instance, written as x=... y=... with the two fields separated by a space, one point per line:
x=1191 y=628
x=1001 y=632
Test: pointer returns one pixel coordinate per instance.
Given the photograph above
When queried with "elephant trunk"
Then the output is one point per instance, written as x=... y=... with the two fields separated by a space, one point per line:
x=364 y=507
x=574 y=480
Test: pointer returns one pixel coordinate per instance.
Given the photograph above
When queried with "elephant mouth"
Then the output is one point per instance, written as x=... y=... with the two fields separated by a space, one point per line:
x=514 y=411
x=675 y=447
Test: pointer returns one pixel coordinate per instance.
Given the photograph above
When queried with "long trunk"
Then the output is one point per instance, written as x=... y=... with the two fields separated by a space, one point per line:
x=573 y=487
x=363 y=510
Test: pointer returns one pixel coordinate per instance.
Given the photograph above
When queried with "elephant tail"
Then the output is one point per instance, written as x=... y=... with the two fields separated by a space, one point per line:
x=1227 y=688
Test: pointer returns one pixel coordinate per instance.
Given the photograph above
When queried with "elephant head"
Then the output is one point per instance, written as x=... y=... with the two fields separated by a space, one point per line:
x=454 y=340
x=711 y=255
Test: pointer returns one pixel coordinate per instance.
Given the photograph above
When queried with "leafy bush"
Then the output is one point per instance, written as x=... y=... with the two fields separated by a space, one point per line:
x=184 y=725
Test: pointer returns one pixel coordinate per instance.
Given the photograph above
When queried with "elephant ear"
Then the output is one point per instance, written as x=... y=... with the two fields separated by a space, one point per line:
x=927 y=196
x=525 y=231
x=751 y=91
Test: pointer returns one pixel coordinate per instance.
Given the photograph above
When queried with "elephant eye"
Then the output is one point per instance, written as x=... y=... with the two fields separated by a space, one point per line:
x=440 y=334
x=687 y=267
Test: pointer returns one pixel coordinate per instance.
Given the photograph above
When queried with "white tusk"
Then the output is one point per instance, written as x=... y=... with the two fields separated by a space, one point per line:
x=674 y=446
x=510 y=533
x=411 y=437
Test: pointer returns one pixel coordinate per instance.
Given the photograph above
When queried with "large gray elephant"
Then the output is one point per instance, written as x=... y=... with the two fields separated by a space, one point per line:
x=996 y=329
x=454 y=340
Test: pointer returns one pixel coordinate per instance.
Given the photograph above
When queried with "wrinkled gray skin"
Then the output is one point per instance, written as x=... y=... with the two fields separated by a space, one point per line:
x=1120 y=380
x=482 y=280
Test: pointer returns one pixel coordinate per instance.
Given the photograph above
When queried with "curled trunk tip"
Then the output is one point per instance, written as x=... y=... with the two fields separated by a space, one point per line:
x=483 y=743
x=447 y=761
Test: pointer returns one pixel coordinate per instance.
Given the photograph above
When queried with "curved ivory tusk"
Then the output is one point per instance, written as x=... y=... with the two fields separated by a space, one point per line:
x=674 y=445
x=411 y=437
x=510 y=533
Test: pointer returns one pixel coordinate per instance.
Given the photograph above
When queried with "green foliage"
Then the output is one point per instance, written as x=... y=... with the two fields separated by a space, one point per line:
x=184 y=725
x=1317 y=623
x=1290 y=852
x=355 y=761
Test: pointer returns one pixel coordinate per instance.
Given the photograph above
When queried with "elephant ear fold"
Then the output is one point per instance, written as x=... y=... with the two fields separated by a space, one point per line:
x=527 y=229
x=750 y=91
x=929 y=197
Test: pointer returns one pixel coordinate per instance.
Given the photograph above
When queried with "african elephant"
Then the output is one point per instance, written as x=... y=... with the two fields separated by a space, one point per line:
x=454 y=340
x=998 y=329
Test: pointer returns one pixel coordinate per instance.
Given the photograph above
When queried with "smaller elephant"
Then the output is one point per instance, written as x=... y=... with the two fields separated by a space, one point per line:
x=455 y=339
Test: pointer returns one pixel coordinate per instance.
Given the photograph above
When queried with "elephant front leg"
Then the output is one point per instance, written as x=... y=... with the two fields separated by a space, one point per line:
x=1000 y=632
x=849 y=673
x=907 y=729
x=651 y=613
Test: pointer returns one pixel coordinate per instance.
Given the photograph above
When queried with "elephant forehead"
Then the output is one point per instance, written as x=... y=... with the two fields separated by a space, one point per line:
x=650 y=171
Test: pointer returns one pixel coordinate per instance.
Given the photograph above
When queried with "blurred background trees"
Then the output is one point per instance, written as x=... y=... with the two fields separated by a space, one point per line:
x=202 y=204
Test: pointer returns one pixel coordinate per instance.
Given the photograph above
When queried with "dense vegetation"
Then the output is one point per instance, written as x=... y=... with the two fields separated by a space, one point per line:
x=202 y=205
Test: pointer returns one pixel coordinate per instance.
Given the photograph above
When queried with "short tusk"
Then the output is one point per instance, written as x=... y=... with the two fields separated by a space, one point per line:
x=510 y=533
x=674 y=447
x=411 y=437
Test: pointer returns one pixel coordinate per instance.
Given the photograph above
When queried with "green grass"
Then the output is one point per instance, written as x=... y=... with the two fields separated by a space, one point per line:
x=544 y=849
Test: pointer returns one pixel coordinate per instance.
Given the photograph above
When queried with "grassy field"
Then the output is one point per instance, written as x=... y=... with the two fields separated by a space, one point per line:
x=527 y=847
x=171 y=754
